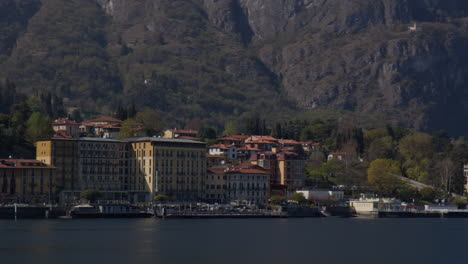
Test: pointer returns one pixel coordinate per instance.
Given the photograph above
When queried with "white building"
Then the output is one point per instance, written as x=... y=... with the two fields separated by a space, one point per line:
x=230 y=151
x=323 y=195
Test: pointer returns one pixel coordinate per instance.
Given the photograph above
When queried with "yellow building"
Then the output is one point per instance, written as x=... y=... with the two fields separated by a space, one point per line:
x=62 y=154
x=174 y=167
x=26 y=181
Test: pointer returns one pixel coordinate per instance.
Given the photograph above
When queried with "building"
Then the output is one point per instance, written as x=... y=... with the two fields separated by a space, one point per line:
x=27 y=181
x=88 y=163
x=66 y=127
x=229 y=151
x=236 y=140
x=182 y=134
x=250 y=186
x=369 y=205
x=104 y=127
x=322 y=195
x=215 y=189
x=173 y=167
x=264 y=143
x=286 y=168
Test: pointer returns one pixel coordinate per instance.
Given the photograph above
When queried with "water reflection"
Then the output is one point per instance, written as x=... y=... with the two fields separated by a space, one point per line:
x=234 y=241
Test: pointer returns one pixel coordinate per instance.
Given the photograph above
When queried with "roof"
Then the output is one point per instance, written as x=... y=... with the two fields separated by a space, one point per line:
x=289 y=142
x=61 y=134
x=191 y=138
x=260 y=138
x=234 y=137
x=157 y=139
x=184 y=131
x=103 y=119
x=64 y=121
x=222 y=146
x=247 y=171
x=23 y=164
x=83 y=139
x=249 y=149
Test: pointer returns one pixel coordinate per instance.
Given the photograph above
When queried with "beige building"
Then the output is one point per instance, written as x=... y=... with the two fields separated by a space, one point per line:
x=173 y=167
x=215 y=190
x=247 y=186
x=286 y=168
x=26 y=181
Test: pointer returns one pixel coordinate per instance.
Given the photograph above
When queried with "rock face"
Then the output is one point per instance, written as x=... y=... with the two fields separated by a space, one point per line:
x=360 y=56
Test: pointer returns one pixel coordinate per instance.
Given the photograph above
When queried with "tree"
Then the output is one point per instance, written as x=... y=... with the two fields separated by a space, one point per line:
x=151 y=120
x=127 y=129
x=276 y=199
x=416 y=150
x=231 y=127
x=428 y=194
x=207 y=133
x=76 y=115
x=90 y=194
x=298 y=197
x=382 y=175
x=39 y=126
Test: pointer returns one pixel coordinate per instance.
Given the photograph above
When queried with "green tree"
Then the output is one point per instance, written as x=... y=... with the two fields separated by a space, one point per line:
x=298 y=197
x=127 y=129
x=231 y=127
x=90 y=194
x=417 y=151
x=382 y=175
x=277 y=199
x=428 y=194
x=39 y=126
x=151 y=120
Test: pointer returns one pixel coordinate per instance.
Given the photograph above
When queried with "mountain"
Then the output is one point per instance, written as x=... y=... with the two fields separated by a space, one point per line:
x=223 y=59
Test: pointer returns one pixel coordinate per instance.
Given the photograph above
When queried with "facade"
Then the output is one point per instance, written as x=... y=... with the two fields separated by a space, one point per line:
x=134 y=169
x=236 y=140
x=27 y=181
x=173 y=167
x=323 y=195
x=247 y=186
x=86 y=163
x=104 y=127
x=264 y=143
x=215 y=189
x=286 y=168
x=66 y=127
x=230 y=151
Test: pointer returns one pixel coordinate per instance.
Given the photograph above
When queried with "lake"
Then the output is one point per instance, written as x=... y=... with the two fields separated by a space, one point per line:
x=301 y=240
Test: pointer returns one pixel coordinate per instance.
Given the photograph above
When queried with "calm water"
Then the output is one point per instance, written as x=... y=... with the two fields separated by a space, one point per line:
x=235 y=241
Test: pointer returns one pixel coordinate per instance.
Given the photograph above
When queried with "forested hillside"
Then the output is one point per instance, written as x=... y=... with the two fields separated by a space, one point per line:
x=218 y=60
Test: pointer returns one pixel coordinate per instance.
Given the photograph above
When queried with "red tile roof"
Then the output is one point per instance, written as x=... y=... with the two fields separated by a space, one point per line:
x=64 y=121
x=234 y=137
x=289 y=142
x=247 y=171
x=61 y=134
x=108 y=119
x=260 y=138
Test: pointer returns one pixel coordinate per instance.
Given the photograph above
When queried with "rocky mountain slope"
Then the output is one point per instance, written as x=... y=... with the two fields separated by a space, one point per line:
x=221 y=58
